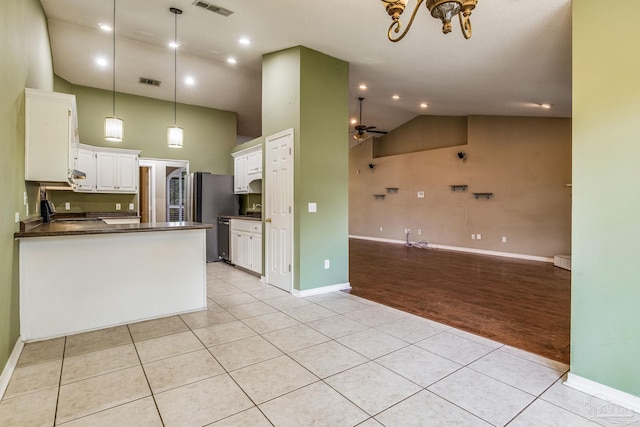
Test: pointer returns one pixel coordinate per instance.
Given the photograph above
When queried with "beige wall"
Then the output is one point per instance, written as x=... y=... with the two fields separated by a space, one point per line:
x=525 y=162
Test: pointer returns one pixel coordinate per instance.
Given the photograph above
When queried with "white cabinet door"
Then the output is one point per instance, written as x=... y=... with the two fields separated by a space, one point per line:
x=86 y=163
x=50 y=136
x=106 y=171
x=116 y=171
x=240 y=175
x=234 y=242
x=127 y=173
x=254 y=164
x=256 y=253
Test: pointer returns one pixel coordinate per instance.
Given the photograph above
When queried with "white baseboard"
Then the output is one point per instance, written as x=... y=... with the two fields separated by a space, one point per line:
x=462 y=249
x=322 y=290
x=603 y=392
x=10 y=366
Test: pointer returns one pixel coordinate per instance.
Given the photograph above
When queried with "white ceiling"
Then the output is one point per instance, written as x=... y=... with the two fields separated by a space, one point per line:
x=519 y=55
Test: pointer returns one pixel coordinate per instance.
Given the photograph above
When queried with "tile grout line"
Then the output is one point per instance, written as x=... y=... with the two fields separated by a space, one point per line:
x=64 y=350
x=144 y=372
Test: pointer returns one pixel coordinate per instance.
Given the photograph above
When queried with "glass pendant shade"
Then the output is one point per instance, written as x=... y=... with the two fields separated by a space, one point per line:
x=174 y=137
x=445 y=12
x=113 y=129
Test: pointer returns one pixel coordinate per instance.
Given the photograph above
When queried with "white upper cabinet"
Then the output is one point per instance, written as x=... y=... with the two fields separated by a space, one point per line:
x=116 y=171
x=86 y=163
x=109 y=170
x=51 y=137
x=248 y=170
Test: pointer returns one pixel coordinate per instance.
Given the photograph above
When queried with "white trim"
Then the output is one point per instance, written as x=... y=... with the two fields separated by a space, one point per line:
x=322 y=290
x=461 y=249
x=604 y=392
x=7 y=372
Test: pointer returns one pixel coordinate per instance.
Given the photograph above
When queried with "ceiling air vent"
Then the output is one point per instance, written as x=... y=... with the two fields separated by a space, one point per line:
x=212 y=7
x=148 y=81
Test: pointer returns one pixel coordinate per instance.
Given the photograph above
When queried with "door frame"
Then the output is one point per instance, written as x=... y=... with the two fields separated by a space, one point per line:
x=267 y=257
x=157 y=183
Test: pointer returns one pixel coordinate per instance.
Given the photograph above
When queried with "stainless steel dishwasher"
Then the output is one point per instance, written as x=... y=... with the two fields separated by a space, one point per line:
x=224 y=252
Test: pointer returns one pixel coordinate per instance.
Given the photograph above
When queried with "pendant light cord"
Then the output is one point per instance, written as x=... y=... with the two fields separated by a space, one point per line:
x=114 y=58
x=175 y=69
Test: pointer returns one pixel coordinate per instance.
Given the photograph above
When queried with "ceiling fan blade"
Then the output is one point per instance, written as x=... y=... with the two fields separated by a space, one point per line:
x=378 y=131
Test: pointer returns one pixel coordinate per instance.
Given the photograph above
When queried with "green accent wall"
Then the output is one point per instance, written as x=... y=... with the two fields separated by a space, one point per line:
x=209 y=134
x=308 y=91
x=26 y=62
x=605 y=318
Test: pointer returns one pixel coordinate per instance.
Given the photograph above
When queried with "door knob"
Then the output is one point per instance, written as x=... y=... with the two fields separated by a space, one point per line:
x=267 y=220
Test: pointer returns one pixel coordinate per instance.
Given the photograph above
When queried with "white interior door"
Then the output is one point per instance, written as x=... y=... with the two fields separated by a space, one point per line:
x=279 y=209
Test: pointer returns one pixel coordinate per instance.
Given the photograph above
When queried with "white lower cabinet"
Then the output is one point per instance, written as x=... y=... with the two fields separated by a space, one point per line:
x=246 y=244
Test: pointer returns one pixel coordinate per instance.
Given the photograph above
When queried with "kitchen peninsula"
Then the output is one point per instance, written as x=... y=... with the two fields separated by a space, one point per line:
x=77 y=276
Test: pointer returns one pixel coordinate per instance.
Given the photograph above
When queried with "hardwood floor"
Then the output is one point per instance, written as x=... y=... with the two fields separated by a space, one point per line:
x=525 y=304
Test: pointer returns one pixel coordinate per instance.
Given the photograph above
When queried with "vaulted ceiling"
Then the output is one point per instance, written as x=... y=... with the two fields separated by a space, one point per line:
x=518 y=58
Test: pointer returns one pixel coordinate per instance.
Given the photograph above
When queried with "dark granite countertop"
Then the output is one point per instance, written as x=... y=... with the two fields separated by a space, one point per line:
x=97 y=226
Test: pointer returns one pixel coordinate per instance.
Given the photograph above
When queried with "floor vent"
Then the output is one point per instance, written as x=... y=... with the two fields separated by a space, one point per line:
x=212 y=7
x=148 y=81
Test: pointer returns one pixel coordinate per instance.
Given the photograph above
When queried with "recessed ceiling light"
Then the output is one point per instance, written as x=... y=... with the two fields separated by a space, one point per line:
x=189 y=80
x=424 y=105
x=547 y=106
x=231 y=60
x=105 y=27
x=244 y=41
x=354 y=121
x=174 y=45
x=101 y=62
x=363 y=86
x=396 y=97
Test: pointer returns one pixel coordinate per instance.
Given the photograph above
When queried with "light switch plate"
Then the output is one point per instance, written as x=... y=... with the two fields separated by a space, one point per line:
x=313 y=207
x=67 y=206
x=130 y=206
x=118 y=206
x=420 y=194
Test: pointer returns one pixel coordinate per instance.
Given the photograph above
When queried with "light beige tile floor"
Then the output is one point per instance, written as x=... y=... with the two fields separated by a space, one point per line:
x=260 y=357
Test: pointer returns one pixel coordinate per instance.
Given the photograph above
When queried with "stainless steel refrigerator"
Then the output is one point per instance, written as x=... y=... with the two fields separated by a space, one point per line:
x=209 y=196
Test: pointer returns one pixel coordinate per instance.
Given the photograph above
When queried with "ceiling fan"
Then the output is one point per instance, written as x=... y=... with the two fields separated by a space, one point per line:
x=361 y=130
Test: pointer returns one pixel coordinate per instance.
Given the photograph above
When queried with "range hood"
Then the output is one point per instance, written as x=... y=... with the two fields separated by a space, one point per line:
x=68 y=185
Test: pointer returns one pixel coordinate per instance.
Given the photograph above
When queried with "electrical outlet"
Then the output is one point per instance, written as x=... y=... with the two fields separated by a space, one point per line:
x=17 y=217
x=473 y=237
x=327 y=264
x=420 y=194
x=419 y=231
x=131 y=206
x=67 y=206
x=479 y=236
x=504 y=239
x=118 y=206
x=380 y=228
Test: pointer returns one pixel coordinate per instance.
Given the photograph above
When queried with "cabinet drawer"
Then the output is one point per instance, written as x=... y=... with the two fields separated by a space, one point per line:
x=241 y=225
x=256 y=227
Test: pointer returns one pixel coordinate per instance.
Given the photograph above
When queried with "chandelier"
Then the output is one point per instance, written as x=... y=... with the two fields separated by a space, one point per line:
x=445 y=10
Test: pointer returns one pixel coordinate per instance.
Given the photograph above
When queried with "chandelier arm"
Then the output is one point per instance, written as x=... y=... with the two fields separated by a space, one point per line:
x=396 y=25
x=465 y=24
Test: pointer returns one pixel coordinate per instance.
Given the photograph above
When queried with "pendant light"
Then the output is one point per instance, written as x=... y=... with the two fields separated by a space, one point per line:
x=113 y=126
x=174 y=133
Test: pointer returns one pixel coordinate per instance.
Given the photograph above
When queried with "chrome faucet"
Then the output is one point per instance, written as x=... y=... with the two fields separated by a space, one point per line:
x=257 y=205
